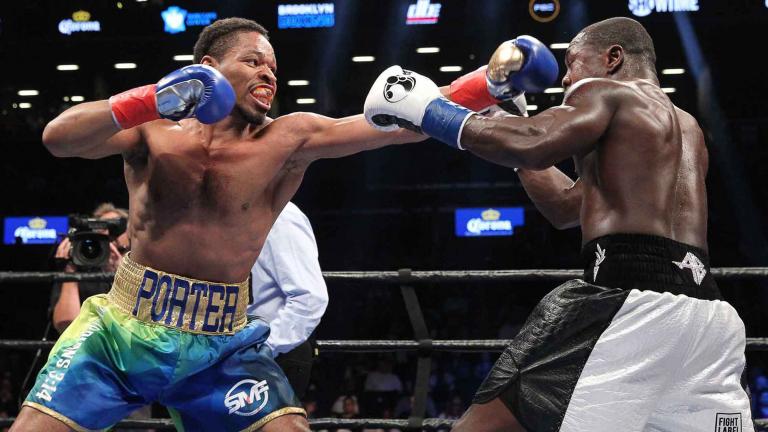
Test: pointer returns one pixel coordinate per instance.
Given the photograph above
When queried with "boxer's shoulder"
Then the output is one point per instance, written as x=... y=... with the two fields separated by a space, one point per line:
x=300 y=123
x=596 y=87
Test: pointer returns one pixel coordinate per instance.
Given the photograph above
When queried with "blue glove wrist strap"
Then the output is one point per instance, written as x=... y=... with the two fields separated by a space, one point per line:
x=444 y=120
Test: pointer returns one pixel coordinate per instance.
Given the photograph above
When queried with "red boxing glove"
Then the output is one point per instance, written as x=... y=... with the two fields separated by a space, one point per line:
x=471 y=91
x=135 y=106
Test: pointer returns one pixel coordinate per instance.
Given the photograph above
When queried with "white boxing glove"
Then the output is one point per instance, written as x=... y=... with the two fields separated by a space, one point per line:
x=398 y=98
x=402 y=98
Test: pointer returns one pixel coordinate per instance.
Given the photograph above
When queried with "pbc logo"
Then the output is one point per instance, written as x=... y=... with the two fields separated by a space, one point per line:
x=398 y=86
x=728 y=422
x=247 y=397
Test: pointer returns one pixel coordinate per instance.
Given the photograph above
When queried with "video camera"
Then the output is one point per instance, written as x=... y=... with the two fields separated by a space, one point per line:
x=90 y=246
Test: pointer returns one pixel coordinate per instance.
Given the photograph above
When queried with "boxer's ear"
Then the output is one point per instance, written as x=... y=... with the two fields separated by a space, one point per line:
x=209 y=61
x=615 y=58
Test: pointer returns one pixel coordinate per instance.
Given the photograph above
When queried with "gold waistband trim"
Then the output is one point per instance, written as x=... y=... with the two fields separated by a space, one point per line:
x=179 y=302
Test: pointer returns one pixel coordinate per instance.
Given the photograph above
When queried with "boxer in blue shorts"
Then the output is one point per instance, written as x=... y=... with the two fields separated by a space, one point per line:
x=207 y=174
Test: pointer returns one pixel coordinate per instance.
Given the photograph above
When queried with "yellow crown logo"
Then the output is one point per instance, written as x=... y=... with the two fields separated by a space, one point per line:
x=81 y=15
x=491 y=215
x=37 y=223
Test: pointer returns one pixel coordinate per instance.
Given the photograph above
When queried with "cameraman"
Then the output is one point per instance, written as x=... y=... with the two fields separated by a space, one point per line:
x=67 y=296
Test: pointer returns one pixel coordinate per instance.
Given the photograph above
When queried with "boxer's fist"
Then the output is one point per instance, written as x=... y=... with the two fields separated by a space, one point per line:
x=520 y=65
x=398 y=98
x=401 y=98
x=193 y=91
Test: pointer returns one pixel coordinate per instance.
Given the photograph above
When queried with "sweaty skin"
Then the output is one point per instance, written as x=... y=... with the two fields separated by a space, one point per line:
x=641 y=161
x=203 y=197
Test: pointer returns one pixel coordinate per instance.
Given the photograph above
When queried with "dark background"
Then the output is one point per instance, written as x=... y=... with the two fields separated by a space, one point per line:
x=389 y=208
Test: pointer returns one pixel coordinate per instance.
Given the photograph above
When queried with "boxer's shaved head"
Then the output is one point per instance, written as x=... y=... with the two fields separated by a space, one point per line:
x=216 y=39
x=626 y=32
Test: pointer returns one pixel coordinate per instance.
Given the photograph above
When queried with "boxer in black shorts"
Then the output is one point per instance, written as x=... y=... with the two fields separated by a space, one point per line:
x=643 y=342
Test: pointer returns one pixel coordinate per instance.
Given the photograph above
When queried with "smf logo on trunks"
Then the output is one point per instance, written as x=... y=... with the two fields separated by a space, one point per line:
x=692 y=262
x=247 y=397
x=219 y=302
x=59 y=369
x=728 y=422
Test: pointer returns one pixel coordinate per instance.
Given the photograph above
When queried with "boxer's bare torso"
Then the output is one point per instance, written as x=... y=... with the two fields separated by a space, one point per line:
x=203 y=197
x=642 y=161
x=202 y=205
x=646 y=173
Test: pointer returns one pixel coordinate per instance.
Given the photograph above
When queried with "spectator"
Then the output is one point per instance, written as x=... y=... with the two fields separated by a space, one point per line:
x=339 y=407
x=404 y=407
x=382 y=379
x=289 y=292
x=7 y=401
x=350 y=410
x=66 y=297
x=381 y=389
x=453 y=410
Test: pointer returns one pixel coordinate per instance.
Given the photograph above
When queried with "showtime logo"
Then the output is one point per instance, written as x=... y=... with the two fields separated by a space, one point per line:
x=642 y=8
x=423 y=12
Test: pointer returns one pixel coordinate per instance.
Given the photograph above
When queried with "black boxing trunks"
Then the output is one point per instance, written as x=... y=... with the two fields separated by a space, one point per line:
x=643 y=343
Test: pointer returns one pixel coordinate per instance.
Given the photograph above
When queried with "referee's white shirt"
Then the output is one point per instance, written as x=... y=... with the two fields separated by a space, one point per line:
x=289 y=291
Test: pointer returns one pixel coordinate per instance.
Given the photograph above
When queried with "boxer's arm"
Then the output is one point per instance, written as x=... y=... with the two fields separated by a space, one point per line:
x=554 y=194
x=88 y=131
x=539 y=142
x=326 y=137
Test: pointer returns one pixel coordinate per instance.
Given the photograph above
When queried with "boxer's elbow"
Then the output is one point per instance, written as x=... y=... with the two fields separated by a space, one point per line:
x=564 y=224
x=54 y=139
x=527 y=147
x=532 y=156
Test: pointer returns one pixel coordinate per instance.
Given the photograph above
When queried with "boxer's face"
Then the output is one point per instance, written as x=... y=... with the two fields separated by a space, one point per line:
x=582 y=60
x=250 y=66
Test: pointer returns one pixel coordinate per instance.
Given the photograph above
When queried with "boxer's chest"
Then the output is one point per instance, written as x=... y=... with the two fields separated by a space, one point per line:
x=224 y=177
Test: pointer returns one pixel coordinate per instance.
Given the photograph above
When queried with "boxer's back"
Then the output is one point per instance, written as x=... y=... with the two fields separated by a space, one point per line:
x=201 y=206
x=647 y=172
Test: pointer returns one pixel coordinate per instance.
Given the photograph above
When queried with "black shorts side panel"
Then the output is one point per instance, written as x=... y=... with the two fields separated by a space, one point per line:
x=536 y=374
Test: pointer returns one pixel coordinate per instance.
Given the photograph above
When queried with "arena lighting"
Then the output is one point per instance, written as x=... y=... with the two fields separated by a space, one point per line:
x=676 y=71
x=668 y=89
x=363 y=59
x=28 y=93
x=531 y=107
x=65 y=98
x=560 y=45
x=183 y=57
x=67 y=67
x=305 y=101
x=297 y=83
x=428 y=50
x=450 y=68
x=77 y=98
x=25 y=105
x=125 y=65
x=554 y=90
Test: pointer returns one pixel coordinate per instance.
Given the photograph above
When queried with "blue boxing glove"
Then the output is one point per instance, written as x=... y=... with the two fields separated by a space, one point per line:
x=193 y=91
x=402 y=98
x=520 y=65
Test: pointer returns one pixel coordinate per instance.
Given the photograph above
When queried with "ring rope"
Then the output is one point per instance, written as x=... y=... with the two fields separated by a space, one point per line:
x=373 y=346
x=396 y=276
x=428 y=424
